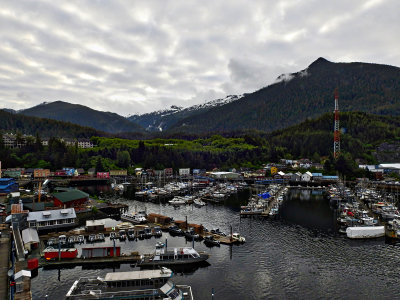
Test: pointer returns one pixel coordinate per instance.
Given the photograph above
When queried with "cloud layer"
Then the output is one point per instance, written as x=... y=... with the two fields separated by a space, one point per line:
x=139 y=56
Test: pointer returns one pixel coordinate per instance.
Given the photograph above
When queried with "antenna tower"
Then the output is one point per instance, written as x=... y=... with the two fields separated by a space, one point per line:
x=336 y=133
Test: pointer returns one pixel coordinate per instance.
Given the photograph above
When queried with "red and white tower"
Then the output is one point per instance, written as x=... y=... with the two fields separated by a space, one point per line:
x=336 y=133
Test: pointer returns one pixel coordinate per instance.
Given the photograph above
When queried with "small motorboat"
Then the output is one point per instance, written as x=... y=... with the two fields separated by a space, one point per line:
x=131 y=234
x=190 y=234
x=209 y=240
x=175 y=230
x=122 y=235
x=92 y=238
x=157 y=232
x=81 y=239
x=100 y=237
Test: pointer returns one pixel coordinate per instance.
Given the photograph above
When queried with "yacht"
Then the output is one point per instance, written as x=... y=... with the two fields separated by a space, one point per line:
x=139 y=285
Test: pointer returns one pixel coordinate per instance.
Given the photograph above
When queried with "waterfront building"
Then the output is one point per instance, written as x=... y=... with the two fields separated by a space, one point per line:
x=41 y=173
x=52 y=219
x=30 y=238
x=70 y=198
x=184 y=172
x=118 y=172
x=307 y=176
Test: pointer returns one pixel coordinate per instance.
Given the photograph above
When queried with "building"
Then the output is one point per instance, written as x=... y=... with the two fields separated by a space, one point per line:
x=104 y=175
x=41 y=173
x=52 y=219
x=30 y=238
x=118 y=172
x=14 y=172
x=101 y=251
x=168 y=172
x=307 y=176
x=10 y=141
x=92 y=172
x=316 y=176
x=184 y=172
x=225 y=175
x=8 y=185
x=70 y=198
x=296 y=176
x=390 y=168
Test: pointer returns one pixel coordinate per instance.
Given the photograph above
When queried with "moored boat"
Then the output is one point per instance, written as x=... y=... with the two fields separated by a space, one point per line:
x=175 y=256
x=365 y=232
x=211 y=241
x=139 y=285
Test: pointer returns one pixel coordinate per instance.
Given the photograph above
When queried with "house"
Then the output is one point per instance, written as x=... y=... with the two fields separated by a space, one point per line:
x=307 y=176
x=184 y=172
x=168 y=172
x=8 y=185
x=80 y=171
x=70 y=198
x=52 y=219
x=92 y=172
x=296 y=176
x=22 y=281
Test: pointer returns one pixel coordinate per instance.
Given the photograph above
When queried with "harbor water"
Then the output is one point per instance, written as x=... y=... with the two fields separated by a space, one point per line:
x=297 y=255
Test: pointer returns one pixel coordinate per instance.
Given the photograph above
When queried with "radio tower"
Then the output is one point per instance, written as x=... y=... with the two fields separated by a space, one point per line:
x=336 y=133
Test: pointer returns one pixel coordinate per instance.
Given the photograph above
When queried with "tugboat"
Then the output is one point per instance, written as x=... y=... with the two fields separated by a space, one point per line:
x=139 y=285
x=176 y=256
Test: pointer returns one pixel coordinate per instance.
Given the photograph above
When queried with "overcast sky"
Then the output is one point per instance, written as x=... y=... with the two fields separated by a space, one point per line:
x=139 y=56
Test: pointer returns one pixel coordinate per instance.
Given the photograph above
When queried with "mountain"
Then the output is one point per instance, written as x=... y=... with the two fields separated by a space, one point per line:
x=163 y=119
x=306 y=94
x=82 y=115
x=12 y=122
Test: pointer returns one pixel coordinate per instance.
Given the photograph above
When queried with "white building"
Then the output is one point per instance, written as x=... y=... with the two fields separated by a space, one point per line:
x=184 y=172
x=52 y=219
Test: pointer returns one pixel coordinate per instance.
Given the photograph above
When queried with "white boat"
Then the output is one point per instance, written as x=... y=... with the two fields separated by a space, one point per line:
x=134 y=218
x=140 y=285
x=199 y=202
x=365 y=232
x=177 y=201
x=238 y=238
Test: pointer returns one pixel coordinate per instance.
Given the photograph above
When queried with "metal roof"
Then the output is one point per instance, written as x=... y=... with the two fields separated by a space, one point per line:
x=145 y=274
x=51 y=215
x=30 y=235
x=70 y=195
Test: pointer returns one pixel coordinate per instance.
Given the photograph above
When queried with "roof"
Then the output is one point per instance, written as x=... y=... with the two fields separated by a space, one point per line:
x=389 y=166
x=30 y=235
x=316 y=174
x=50 y=215
x=70 y=195
x=21 y=273
x=95 y=222
x=145 y=274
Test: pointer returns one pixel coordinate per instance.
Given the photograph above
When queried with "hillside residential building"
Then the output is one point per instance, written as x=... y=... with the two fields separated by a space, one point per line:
x=41 y=173
x=118 y=172
x=52 y=219
x=10 y=141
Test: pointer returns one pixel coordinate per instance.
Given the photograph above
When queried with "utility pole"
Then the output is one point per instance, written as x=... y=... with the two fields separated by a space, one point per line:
x=336 y=133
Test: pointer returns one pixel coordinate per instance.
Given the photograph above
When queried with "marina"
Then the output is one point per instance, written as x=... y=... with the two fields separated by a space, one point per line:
x=305 y=220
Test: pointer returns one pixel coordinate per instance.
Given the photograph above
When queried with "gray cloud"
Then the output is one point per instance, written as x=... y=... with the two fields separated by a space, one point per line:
x=139 y=56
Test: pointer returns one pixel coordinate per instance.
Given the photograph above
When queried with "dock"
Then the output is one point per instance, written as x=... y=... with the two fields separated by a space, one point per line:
x=132 y=259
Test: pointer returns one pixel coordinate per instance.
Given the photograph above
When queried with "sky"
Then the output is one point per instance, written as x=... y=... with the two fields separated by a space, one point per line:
x=132 y=57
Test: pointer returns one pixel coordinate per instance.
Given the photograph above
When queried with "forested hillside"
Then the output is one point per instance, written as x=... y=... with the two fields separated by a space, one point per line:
x=309 y=93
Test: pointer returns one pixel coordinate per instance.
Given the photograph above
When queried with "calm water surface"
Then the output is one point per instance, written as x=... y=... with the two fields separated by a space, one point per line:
x=297 y=256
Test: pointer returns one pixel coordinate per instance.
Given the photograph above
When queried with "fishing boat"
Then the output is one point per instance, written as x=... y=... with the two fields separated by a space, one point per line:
x=175 y=256
x=81 y=239
x=157 y=232
x=131 y=234
x=122 y=235
x=92 y=238
x=139 y=285
x=100 y=237
x=72 y=239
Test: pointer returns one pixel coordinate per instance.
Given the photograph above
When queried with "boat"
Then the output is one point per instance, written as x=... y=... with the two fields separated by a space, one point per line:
x=100 y=237
x=190 y=234
x=157 y=232
x=92 y=238
x=62 y=239
x=113 y=235
x=147 y=232
x=138 y=218
x=365 y=232
x=238 y=238
x=198 y=202
x=217 y=231
x=52 y=241
x=177 y=201
x=122 y=235
x=81 y=239
x=209 y=240
x=139 y=285
x=51 y=253
x=131 y=234
x=174 y=256
x=175 y=230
